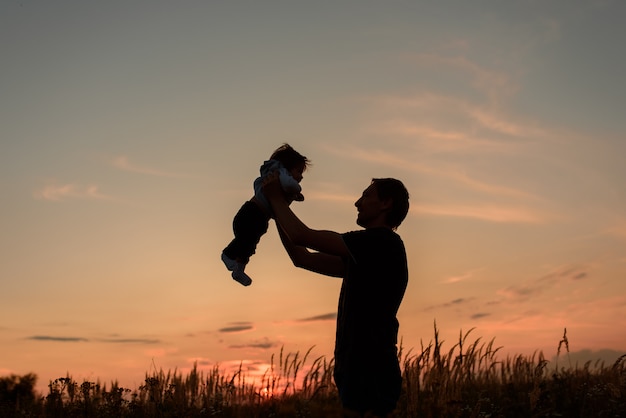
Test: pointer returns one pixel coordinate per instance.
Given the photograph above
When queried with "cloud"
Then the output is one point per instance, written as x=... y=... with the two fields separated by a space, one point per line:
x=200 y=361
x=324 y=317
x=479 y=315
x=460 y=278
x=123 y=163
x=440 y=140
x=496 y=123
x=473 y=117
x=57 y=192
x=59 y=339
x=407 y=163
x=454 y=302
x=130 y=341
x=494 y=84
x=255 y=370
x=546 y=282
x=332 y=197
x=102 y=340
x=261 y=344
x=486 y=212
x=237 y=327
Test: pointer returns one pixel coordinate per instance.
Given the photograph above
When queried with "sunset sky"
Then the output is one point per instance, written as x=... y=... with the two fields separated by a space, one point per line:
x=131 y=132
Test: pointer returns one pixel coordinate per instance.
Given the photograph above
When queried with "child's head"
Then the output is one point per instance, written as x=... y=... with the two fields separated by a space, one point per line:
x=292 y=160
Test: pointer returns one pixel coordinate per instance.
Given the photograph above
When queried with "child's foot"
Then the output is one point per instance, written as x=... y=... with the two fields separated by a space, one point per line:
x=241 y=276
x=237 y=268
x=229 y=262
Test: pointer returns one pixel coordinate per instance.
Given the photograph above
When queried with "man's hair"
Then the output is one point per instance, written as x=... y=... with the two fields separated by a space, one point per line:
x=289 y=157
x=388 y=188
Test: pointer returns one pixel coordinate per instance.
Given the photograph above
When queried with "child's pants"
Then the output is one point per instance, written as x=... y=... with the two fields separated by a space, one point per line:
x=249 y=225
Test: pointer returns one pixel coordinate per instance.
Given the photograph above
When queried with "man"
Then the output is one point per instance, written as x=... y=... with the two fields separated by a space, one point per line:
x=373 y=265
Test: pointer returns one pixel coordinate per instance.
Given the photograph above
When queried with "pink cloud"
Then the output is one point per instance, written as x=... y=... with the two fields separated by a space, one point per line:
x=57 y=192
x=122 y=162
x=460 y=278
x=491 y=213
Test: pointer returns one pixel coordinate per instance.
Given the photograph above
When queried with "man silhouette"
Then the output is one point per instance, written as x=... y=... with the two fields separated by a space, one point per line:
x=373 y=265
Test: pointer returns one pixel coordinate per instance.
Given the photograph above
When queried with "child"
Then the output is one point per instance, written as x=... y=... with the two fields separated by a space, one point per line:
x=252 y=220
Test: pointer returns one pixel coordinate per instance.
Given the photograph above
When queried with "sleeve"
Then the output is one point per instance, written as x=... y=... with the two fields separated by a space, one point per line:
x=289 y=184
x=356 y=241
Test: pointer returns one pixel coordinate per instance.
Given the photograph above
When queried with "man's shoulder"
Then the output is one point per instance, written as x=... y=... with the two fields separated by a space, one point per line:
x=375 y=232
x=385 y=237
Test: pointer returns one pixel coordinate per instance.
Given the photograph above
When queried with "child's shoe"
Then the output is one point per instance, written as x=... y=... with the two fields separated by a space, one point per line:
x=231 y=264
x=240 y=276
x=237 y=269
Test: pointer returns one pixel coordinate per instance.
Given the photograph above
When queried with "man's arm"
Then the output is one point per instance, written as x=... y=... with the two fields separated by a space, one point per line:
x=328 y=242
x=329 y=265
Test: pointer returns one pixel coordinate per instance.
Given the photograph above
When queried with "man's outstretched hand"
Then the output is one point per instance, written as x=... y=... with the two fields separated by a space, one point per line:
x=272 y=188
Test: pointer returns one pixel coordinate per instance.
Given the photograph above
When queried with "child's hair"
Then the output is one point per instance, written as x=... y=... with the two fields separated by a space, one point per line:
x=289 y=157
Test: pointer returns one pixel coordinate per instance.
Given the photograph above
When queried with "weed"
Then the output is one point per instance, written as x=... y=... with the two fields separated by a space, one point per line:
x=467 y=380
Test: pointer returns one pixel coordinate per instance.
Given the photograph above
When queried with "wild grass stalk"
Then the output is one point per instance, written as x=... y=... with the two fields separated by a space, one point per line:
x=467 y=380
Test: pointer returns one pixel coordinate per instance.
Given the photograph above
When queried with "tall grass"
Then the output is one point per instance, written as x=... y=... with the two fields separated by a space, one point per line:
x=467 y=380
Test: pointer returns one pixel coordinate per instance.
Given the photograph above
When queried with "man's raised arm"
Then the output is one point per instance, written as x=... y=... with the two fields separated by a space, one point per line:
x=328 y=242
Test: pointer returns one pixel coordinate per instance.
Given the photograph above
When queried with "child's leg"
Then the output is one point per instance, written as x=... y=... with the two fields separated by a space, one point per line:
x=249 y=224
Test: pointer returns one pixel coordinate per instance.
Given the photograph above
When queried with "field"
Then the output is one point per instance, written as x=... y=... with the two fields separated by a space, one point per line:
x=468 y=380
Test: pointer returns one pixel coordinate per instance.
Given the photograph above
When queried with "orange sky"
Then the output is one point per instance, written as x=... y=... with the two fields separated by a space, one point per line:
x=131 y=134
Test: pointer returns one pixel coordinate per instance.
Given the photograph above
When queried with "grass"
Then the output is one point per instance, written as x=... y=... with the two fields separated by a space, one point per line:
x=467 y=380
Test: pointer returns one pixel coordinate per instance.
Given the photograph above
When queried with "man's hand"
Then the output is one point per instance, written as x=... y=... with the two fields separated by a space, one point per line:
x=272 y=188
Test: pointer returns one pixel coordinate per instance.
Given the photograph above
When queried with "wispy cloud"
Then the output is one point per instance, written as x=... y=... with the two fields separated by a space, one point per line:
x=534 y=287
x=494 y=84
x=237 y=327
x=130 y=340
x=332 y=197
x=434 y=116
x=460 y=278
x=453 y=303
x=58 y=339
x=56 y=192
x=101 y=340
x=331 y=316
x=123 y=162
x=486 y=212
x=500 y=124
x=263 y=344
x=201 y=361
x=434 y=139
x=381 y=157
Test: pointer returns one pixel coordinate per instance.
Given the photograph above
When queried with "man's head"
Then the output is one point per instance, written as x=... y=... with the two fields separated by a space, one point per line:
x=384 y=203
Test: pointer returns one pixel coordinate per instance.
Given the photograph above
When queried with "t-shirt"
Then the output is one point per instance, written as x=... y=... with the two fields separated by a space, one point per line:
x=372 y=289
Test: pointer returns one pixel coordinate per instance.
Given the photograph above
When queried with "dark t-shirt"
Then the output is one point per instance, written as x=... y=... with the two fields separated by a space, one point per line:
x=371 y=293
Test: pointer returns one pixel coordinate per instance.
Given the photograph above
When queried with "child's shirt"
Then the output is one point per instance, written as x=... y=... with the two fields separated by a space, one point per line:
x=291 y=187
